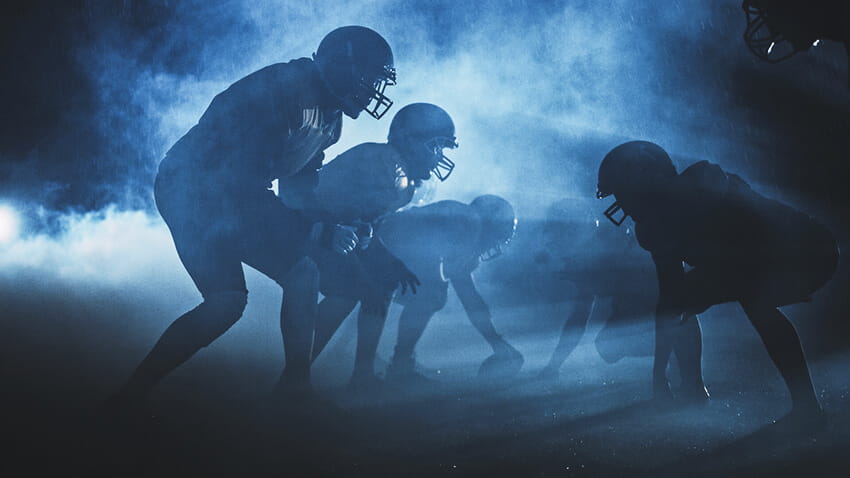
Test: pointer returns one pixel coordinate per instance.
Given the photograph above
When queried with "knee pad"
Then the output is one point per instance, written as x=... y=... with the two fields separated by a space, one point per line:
x=218 y=312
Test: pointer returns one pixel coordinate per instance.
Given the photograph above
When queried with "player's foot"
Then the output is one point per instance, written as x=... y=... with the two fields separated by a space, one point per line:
x=294 y=389
x=694 y=395
x=610 y=353
x=403 y=372
x=503 y=365
x=411 y=381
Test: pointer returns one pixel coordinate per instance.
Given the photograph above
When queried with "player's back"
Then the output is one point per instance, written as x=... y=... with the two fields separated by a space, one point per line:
x=427 y=235
x=363 y=184
x=270 y=115
x=714 y=219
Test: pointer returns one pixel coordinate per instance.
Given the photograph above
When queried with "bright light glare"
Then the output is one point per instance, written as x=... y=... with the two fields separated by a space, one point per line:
x=9 y=224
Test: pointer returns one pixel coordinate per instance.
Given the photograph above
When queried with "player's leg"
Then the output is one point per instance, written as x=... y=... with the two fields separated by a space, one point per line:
x=184 y=337
x=370 y=325
x=332 y=312
x=783 y=345
x=297 y=319
x=628 y=331
x=418 y=311
x=275 y=240
x=341 y=282
x=207 y=251
x=687 y=346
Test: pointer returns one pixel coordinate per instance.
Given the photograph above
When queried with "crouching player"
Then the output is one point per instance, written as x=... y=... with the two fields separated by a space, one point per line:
x=441 y=243
x=741 y=246
x=357 y=188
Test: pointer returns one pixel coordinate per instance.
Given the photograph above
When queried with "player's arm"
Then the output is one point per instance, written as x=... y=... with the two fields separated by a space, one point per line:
x=668 y=315
x=478 y=311
x=399 y=273
x=299 y=189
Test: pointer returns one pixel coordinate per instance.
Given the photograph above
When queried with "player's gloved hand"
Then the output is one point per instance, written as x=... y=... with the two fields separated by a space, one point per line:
x=404 y=276
x=344 y=239
x=364 y=234
x=376 y=301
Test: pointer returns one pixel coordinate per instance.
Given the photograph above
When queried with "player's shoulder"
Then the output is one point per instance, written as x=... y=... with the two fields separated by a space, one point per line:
x=368 y=158
x=448 y=215
x=291 y=79
x=448 y=208
x=703 y=177
x=289 y=70
x=368 y=150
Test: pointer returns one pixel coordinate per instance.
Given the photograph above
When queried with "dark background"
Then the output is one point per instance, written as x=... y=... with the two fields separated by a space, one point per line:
x=94 y=92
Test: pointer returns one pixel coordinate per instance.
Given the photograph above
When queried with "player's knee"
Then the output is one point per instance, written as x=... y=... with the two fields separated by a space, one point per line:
x=220 y=311
x=227 y=303
x=432 y=300
x=302 y=276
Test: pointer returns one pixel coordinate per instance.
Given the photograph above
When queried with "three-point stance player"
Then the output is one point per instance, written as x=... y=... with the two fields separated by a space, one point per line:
x=741 y=246
x=442 y=242
x=358 y=188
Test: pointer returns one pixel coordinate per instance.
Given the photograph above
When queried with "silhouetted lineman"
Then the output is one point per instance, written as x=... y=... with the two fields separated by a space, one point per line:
x=358 y=188
x=212 y=188
x=741 y=246
x=600 y=261
x=441 y=242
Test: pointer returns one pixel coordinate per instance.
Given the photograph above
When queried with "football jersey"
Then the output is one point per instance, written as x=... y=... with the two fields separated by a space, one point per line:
x=267 y=125
x=714 y=218
x=445 y=232
x=362 y=184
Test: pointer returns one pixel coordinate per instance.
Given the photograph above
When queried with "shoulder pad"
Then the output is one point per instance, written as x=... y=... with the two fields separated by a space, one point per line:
x=704 y=177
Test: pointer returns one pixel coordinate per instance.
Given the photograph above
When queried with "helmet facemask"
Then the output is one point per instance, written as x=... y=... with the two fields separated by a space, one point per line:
x=370 y=92
x=442 y=166
x=356 y=65
x=495 y=250
x=612 y=212
x=498 y=225
x=766 y=44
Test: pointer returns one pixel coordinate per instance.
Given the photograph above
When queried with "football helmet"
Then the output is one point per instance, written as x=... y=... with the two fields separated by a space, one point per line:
x=629 y=168
x=776 y=30
x=498 y=224
x=421 y=131
x=356 y=65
